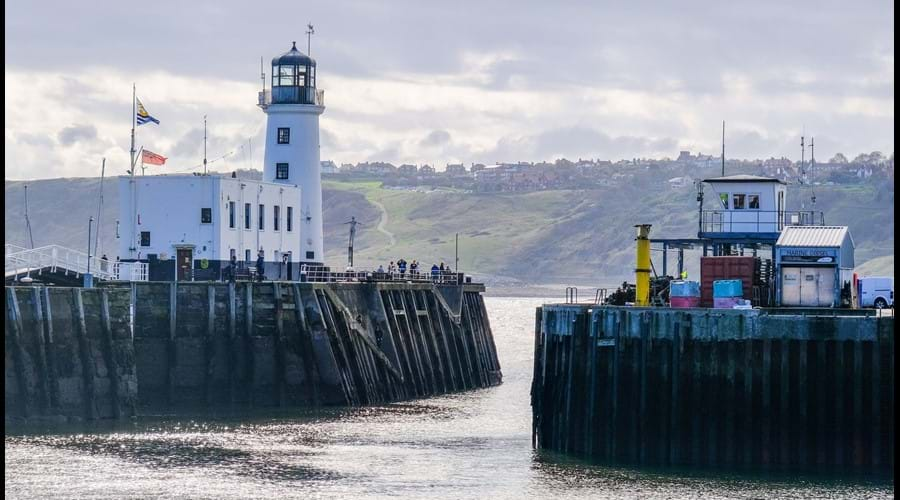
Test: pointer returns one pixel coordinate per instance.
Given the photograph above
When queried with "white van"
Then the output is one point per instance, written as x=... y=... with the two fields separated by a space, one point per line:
x=875 y=292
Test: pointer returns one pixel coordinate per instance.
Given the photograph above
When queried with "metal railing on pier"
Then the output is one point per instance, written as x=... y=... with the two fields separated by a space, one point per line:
x=56 y=258
x=325 y=275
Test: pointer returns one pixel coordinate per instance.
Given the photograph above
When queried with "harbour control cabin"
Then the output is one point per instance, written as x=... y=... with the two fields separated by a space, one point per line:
x=186 y=227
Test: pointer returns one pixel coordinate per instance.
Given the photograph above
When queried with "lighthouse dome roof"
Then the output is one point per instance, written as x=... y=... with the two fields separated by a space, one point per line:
x=293 y=57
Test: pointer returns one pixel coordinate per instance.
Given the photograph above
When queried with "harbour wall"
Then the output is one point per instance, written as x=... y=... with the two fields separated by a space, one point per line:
x=759 y=389
x=208 y=345
x=69 y=353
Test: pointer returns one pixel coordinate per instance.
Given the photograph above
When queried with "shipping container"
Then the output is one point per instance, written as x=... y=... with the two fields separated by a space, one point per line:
x=726 y=268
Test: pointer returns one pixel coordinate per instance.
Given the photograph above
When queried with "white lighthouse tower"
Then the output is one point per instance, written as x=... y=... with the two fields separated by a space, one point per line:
x=293 y=107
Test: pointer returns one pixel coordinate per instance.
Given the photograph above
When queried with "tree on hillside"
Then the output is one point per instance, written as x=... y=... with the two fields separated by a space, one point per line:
x=875 y=157
x=838 y=158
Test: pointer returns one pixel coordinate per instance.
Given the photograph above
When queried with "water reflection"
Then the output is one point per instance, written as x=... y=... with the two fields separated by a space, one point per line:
x=471 y=445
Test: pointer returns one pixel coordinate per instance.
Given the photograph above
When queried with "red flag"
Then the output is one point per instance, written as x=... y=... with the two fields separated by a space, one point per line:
x=152 y=158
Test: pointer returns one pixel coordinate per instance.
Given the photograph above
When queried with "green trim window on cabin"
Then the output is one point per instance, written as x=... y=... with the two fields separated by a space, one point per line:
x=290 y=218
x=247 y=216
x=206 y=216
x=723 y=197
x=753 y=201
x=231 y=214
x=145 y=238
x=262 y=217
x=276 y=212
x=738 y=200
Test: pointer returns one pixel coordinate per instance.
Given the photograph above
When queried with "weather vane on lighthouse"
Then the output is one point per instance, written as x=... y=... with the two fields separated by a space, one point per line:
x=310 y=31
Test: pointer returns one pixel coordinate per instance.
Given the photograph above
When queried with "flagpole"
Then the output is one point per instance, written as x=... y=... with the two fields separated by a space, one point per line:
x=133 y=118
x=132 y=246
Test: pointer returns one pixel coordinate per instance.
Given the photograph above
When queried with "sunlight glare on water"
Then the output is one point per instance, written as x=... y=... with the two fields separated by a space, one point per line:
x=470 y=445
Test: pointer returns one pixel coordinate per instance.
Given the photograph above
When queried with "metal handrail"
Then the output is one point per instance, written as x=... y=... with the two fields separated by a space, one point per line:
x=755 y=221
x=319 y=274
x=53 y=257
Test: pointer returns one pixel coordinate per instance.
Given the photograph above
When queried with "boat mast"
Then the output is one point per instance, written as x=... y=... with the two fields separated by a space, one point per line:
x=27 y=221
x=100 y=207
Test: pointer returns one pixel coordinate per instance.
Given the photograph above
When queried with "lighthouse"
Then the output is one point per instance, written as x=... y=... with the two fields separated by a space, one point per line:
x=292 y=108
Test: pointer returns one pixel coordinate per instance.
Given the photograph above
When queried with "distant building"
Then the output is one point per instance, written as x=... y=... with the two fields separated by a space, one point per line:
x=476 y=167
x=407 y=170
x=426 y=170
x=329 y=167
x=456 y=170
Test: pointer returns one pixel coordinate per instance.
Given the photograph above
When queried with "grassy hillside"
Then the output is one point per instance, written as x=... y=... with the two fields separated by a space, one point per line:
x=568 y=236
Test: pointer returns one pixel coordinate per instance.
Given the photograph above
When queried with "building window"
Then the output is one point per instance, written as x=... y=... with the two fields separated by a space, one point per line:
x=246 y=216
x=753 y=201
x=290 y=218
x=723 y=197
x=262 y=217
x=310 y=255
x=231 y=214
x=145 y=238
x=206 y=216
x=232 y=253
x=247 y=255
x=281 y=170
x=738 y=201
x=276 y=212
x=284 y=135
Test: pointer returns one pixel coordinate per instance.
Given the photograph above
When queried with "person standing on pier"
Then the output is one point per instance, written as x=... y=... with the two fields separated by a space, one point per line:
x=435 y=272
x=260 y=266
x=232 y=268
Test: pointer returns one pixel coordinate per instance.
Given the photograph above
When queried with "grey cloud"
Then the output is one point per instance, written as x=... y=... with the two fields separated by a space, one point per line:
x=77 y=133
x=435 y=138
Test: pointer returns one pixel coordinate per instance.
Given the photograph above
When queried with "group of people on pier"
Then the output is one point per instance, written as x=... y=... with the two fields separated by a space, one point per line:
x=399 y=269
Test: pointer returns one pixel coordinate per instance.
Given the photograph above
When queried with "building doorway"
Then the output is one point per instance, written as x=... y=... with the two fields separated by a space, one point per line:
x=184 y=262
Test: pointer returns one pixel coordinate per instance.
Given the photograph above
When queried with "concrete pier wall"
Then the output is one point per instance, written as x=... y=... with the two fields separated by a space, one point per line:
x=69 y=354
x=754 y=388
x=248 y=344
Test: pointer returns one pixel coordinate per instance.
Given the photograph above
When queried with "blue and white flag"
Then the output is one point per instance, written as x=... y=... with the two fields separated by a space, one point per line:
x=142 y=115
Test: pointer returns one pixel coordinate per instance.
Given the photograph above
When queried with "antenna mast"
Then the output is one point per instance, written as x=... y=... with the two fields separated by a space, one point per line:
x=802 y=163
x=812 y=168
x=723 y=148
x=204 y=144
x=309 y=32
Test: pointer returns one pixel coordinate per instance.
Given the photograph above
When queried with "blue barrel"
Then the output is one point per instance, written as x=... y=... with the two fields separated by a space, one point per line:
x=679 y=288
x=727 y=288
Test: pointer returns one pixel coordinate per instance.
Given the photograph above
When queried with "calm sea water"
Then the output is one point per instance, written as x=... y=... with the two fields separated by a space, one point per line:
x=473 y=445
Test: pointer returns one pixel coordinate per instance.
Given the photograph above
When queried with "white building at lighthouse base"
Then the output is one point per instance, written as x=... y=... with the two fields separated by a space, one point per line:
x=186 y=227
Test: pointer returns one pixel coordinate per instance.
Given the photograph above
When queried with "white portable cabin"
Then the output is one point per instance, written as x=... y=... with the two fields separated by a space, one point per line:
x=186 y=227
x=745 y=206
x=814 y=266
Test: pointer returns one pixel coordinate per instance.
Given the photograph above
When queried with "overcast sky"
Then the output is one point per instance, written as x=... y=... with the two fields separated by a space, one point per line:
x=438 y=82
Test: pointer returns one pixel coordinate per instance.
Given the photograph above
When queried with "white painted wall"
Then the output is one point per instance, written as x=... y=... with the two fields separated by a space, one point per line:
x=305 y=170
x=169 y=206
